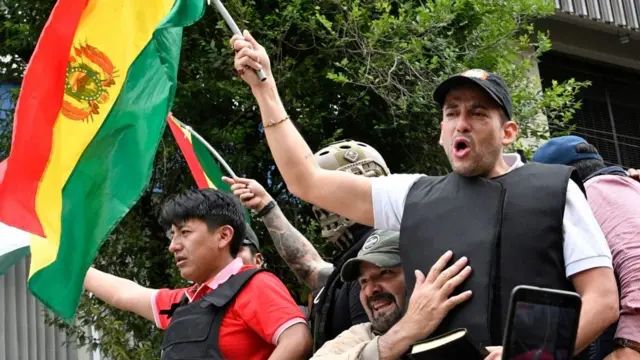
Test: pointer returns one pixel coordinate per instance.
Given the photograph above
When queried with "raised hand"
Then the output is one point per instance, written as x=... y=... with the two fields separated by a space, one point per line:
x=250 y=192
x=250 y=56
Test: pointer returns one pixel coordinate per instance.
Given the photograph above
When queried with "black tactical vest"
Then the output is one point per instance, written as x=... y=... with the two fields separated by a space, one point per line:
x=325 y=298
x=194 y=328
x=509 y=227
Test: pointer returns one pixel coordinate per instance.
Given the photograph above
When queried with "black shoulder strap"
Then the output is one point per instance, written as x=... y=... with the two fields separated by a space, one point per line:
x=169 y=312
x=228 y=290
x=221 y=298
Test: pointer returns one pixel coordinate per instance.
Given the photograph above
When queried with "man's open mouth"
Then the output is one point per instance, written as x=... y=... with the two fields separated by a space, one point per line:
x=461 y=147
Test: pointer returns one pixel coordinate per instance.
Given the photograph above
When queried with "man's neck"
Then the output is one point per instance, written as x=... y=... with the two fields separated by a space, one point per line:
x=220 y=265
x=500 y=168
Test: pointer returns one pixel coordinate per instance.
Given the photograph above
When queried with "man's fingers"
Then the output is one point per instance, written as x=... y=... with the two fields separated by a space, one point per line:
x=240 y=180
x=458 y=299
x=240 y=44
x=247 y=62
x=253 y=203
x=248 y=52
x=419 y=278
x=455 y=281
x=234 y=38
x=238 y=186
x=228 y=180
x=241 y=191
x=250 y=39
x=246 y=196
x=438 y=266
x=450 y=272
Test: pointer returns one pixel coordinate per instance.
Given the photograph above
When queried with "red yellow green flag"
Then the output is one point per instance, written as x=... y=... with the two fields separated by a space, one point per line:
x=203 y=165
x=204 y=168
x=88 y=121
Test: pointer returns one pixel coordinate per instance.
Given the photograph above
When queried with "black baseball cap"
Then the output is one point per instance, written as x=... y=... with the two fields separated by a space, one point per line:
x=251 y=238
x=492 y=83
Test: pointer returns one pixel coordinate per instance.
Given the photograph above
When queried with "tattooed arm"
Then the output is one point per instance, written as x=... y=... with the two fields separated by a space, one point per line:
x=297 y=251
x=293 y=247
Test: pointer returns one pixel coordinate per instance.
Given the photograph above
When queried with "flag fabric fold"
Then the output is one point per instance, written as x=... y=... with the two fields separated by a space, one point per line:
x=88 y=121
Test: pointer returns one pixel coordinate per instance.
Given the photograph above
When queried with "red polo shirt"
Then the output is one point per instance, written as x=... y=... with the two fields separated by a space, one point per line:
x=253 y=323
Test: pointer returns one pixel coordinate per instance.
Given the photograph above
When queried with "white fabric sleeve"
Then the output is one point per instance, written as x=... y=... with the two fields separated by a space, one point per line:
x=585 y=246
x=389 y=194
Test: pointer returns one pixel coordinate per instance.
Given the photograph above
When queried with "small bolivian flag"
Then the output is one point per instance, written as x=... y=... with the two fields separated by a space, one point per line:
x=204 y=168
x=88 y=121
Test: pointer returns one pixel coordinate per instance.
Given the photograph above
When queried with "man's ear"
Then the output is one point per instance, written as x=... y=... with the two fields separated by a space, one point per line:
x=259 y=259
x=226 y=235
x=509 y=133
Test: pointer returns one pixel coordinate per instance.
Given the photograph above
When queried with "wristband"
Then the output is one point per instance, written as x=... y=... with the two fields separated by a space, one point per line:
x=266 y=209
x=629 y=344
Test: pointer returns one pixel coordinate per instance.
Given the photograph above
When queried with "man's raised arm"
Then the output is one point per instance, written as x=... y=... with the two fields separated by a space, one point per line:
x=336 y=191
x=121 y=293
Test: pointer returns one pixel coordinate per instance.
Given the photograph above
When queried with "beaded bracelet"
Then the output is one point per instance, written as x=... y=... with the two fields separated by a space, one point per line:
x=274 y=123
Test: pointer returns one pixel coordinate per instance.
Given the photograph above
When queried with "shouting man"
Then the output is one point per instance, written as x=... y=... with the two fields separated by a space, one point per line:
x=518 y=223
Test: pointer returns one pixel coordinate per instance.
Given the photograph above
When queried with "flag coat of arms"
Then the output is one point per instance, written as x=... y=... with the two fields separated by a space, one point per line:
x=90 y=115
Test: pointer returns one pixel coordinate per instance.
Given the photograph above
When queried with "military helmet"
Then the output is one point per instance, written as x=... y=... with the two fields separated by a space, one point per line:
x=353 y=156
x=357 y=158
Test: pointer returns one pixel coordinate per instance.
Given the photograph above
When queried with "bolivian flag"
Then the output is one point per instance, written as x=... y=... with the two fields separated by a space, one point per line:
x=204 y=168
x=90 y=115
x=202 y=164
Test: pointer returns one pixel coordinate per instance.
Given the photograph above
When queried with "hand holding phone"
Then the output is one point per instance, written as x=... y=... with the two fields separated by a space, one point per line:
x=542 y=324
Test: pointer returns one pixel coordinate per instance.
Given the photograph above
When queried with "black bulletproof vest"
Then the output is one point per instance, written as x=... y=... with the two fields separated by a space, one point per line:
x=194 y=328
x=325 y=299
x=509 y=227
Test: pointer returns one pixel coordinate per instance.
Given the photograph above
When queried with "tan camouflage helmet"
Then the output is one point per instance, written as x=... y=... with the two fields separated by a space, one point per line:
x=357 y=158
x=353 y=156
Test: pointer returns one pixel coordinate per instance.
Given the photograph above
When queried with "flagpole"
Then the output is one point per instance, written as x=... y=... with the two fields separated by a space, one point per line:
x=233 y=27
x=209 y=147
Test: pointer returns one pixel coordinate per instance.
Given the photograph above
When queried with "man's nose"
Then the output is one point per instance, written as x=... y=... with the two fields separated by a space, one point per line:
x=174 y=246
x=463 y=125
x=372 y=289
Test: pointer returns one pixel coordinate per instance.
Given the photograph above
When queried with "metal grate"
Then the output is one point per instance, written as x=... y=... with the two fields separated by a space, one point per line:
x=610 y=114
x=621 y=13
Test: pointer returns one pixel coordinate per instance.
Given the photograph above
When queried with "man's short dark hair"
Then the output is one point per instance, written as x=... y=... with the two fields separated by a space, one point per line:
x=586 y=167
x=214 y=207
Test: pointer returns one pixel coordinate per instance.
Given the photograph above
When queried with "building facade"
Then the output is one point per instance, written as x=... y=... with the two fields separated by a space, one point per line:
x=599 y=41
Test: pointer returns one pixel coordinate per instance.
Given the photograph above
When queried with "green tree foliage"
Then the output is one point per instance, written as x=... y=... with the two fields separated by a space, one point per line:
x=346 y=69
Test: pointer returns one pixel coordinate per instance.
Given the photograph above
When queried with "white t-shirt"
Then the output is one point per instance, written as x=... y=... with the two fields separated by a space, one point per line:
x=584 y=244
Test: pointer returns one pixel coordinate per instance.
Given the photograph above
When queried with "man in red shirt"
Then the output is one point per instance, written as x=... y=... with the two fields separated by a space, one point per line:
x=233 y=311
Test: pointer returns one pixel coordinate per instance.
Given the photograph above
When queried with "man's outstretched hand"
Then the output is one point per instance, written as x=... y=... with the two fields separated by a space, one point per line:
x=250 y=192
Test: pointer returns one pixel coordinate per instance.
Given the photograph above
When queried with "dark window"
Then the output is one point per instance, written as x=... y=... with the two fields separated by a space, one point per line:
x=610 y=114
